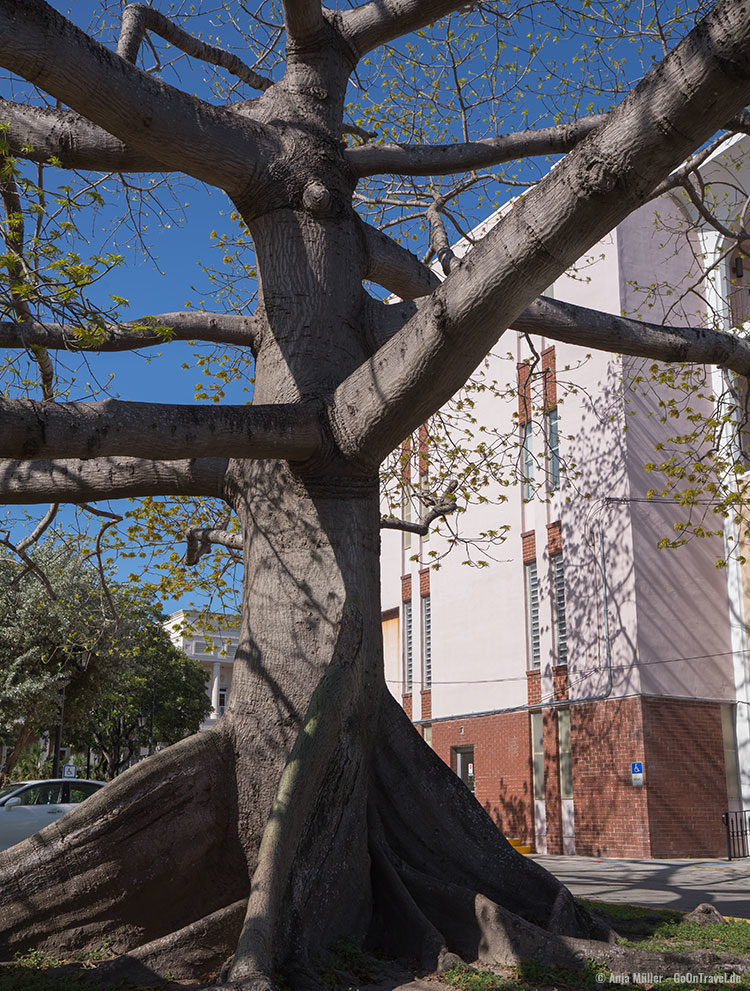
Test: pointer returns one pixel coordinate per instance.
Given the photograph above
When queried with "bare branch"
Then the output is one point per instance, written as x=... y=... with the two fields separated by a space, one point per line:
x=137 y=19
x=154 y=430
x=32 y=538
x=380 y=21
x=168 y=125
x=588 y=328
x=613 y=171
x=31 y=565
x=372 y=159
x=443 y=506
x=39 y=134
x=33 y=482
x=13 y=234
x=110 y=520
x=303 y=20
x=219 y=328
x=439 y=238
x=395 y=268
x=200 y=539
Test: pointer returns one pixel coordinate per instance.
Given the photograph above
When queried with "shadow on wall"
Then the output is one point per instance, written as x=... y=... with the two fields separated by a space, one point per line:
x=512 y=813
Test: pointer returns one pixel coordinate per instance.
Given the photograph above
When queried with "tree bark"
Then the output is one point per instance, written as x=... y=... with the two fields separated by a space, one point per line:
x=328 y=809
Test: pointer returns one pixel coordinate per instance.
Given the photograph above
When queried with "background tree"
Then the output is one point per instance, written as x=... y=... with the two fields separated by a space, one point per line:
x=313 y=810
x=87 y=658
x=159 y=696
x=56 y=639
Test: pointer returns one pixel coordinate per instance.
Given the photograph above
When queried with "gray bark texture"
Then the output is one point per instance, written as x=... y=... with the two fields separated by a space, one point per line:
x=313 y=810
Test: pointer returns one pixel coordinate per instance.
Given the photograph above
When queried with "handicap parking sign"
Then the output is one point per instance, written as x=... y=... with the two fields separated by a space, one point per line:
x=69 y=770
x=636 y=773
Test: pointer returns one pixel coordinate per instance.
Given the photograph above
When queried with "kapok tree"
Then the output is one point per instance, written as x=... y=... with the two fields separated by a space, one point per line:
x=313 y=810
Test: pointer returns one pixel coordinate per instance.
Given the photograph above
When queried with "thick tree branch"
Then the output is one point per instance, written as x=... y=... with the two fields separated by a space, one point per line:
x=137 y=19
x=39 y=134
x=396 y=269
x=219 y=328
x=612 y=172
x=594 y=329
x=33 y=482
x=381 y=21
x=303 y=20
x=439 y=237
x=201 y=538
x=180 y=131
x=153 y=430
x=428 y=160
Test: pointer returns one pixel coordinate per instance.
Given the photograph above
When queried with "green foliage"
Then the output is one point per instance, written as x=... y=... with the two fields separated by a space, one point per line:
x=99 y=651
x=156 y=676
x=346 y=965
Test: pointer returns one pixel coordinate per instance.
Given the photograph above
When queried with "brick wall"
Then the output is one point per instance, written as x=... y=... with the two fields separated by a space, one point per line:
x=424 y=581
x=406 y=588
x=502 y=766
x=685 y=777
x=524 y=391
x=676 y=813
x=534 y=687
x=611 y=816
x=550 y=379
x=560 y=681
x=554 y=537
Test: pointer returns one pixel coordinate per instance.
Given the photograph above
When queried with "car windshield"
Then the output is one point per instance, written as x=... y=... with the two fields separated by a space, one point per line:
x=11 y=787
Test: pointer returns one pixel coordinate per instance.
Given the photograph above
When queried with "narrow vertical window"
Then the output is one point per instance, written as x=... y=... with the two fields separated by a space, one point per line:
x=553 y=445
x=566 y=759
x=528 y=462
x=532 y=615
x=427 y=641
x=537 y=754
x=406 y=514
x=408 y=648
x=558 y=597
x=731 y=766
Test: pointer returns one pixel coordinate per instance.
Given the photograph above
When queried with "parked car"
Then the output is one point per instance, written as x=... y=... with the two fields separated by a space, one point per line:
x=28 y=806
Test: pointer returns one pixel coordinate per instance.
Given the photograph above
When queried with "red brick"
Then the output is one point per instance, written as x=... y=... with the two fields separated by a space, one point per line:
x=426 y=695
x=550 y=379
x=534 y=687
x=424 y=581
x=524 y=392
x=554 y=537
x=406 y=588
x=406 y=703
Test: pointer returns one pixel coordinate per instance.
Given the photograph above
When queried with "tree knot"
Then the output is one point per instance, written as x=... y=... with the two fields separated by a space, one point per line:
x=316 y=197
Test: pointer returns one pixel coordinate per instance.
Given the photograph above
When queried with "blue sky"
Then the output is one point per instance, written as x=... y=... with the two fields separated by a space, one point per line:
x=180 y=234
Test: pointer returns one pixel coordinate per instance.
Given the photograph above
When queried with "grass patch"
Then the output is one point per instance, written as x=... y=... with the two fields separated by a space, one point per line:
x=346 y=965
x=666 y=930
x=530 y=975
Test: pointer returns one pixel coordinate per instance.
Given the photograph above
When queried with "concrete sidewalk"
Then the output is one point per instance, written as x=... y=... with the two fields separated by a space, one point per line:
x=680 y=884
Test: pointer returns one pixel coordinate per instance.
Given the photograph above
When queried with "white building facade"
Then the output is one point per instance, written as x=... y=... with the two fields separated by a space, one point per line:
x=214 y=647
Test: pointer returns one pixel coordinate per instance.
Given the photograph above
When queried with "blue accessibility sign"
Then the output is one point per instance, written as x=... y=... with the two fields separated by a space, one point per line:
x=636 y=767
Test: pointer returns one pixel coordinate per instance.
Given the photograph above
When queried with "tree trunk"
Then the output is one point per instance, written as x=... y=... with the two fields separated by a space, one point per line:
x=313 y=797
x=23 y=740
